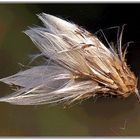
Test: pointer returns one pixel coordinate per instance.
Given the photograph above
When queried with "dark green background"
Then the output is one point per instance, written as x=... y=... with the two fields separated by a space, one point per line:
x=106 y=116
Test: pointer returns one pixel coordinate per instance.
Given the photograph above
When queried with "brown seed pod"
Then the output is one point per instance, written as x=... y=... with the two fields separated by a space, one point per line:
x=79 y=66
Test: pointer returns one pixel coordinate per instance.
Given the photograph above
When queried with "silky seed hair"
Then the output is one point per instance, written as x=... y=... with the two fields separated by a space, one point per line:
x=77 y=66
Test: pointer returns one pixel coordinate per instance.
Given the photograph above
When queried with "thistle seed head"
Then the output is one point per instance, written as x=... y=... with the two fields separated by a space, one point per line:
x=77 y=66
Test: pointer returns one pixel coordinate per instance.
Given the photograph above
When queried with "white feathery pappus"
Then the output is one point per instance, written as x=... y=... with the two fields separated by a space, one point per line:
x=80 y=66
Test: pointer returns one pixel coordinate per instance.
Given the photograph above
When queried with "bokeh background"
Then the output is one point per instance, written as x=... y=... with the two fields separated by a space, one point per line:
x=106 y=116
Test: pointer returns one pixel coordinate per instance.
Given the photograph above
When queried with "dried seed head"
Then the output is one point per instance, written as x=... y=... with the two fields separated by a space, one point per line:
x=79 y=66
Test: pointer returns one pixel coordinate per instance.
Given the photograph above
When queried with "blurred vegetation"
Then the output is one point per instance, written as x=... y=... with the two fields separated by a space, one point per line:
x=105 y=117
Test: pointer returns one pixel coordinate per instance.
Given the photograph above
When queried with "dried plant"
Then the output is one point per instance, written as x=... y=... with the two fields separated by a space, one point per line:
x=80 y=66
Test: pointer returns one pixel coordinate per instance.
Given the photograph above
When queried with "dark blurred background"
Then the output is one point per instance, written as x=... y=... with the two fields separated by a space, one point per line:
x=106 y=116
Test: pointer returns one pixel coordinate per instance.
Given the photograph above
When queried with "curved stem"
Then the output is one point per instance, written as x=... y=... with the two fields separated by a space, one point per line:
x=137 y=94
